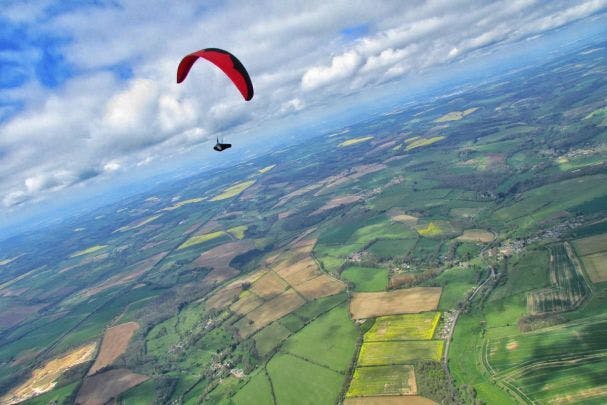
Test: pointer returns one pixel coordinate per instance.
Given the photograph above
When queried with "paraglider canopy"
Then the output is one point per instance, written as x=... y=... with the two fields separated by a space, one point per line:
x=225 y=61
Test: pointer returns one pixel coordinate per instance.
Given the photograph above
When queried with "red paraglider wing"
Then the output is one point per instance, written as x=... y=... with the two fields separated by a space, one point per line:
x=225 y=61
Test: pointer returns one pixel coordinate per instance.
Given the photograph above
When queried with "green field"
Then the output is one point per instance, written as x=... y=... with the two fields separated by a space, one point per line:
x=569 y=288
x=256 y=391
x=294 y=379
x=270 y=338
x=403 y=327
x=366 y=278
x=381 y=380
x=329 y=340
x=399 y=352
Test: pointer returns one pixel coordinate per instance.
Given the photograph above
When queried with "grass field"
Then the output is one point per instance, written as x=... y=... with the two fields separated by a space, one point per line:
x=382 y=380
x=180 y=204
x=294 y=379
x=89 y=250
x=56 y=396
x=142 y=394
x=418 y=143
x=233 y=190
x=390 y=248
x=596 y=266
x=238 y=231
x=403 y=327
x=269 y=338
x=366 y=278
x=198 y=239
x=456 y=115
x=266 y=169
x=354 y=141
x=329 y=340
x=138 y=224
x=568 y=289
x=406 y=301
x=256 y=391
x=591 y=244
x=399 y=352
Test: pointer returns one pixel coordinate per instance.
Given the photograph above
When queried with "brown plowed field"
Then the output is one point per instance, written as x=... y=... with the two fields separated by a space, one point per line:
x=390 y=400
x=299 y=272
x=141 y=268
x=406 y=301
x=268 y=285
x=115 y=341
x=102 y=388
x=321 y=286
x=219 y=259
x=272 y=310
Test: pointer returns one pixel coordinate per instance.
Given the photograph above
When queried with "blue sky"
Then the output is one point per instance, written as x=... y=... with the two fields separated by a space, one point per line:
x=88 y=93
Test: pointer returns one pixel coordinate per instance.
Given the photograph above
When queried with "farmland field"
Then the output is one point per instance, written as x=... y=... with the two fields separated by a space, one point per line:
x=596 y=266
x=366 y=278
x=114 y=343
x=403 y=327
x=399 y=352
x=329 y=340
x=382 y=380
x=294 y=378
x=568 y=289
x=412 y=300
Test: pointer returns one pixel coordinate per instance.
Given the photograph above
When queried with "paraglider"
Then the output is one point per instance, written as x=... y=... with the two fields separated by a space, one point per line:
x=230 y=65
x=220 y=146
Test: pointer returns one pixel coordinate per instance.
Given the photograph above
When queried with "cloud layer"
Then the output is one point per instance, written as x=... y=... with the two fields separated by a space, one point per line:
x=89 y=91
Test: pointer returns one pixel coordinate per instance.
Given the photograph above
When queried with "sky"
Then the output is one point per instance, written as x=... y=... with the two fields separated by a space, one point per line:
x=88 y=93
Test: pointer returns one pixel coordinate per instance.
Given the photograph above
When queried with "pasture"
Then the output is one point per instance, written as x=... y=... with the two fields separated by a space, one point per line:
x=354 y=141
x=233 y=190
x=382 y=380
x=294 y=379
x=596 y=266
x=456 y=115
x=256 y=391
x=591 y=244
x=366 y=278
x=418 y=143
x=329 y=340
x=406 y=301
x=403 y=327
x=399 y=352
x=568 y=288
x=198 y=239
x=88 y=250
